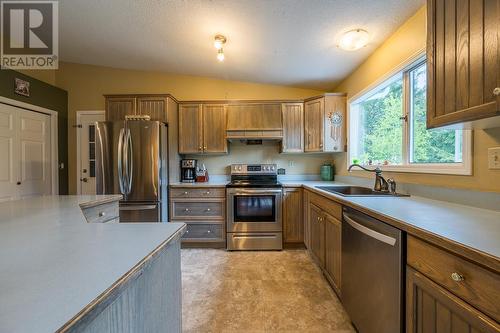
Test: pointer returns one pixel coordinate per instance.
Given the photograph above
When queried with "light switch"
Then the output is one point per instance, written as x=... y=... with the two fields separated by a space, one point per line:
x=494 y=158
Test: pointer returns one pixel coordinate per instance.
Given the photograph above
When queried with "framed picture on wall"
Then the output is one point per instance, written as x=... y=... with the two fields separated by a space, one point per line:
x=22 y=87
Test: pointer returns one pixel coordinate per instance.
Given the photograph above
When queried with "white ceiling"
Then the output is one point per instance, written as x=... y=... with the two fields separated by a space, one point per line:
x=289 y=42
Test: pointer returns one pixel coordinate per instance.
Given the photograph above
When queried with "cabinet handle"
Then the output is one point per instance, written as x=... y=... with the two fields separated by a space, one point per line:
x=457 y=277
x=200 y=148
x=18 y=183
x=496 y=91
x=186 y=210
x=102 y=214
x=207 y=193
x=208 y=209
x=208 y=231
x=205 y=147
x=321 y=145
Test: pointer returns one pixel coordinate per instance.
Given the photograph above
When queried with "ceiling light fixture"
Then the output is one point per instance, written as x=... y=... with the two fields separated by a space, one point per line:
x=219 y=42
x=220 y=54
x=354 y=40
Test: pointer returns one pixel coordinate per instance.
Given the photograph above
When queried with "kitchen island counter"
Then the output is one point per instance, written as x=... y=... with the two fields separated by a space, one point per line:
x=58 y=270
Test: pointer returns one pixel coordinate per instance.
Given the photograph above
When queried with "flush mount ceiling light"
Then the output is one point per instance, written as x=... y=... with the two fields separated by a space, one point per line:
x=219 y=42
x=354 y=40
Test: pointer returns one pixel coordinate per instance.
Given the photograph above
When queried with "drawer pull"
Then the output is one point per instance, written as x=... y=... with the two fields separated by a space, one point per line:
x=208 y=231
x=208 y=192
x=457 y=277
x=496 y=91
x=208 y=209
x=102 y=214
x=186 y=209
x=185 y=193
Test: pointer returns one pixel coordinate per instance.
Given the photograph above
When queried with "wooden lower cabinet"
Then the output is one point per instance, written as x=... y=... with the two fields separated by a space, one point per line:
x=432 y=309
x=293 y=221
x=203 y=209
x=317 y=229
x=333 y=235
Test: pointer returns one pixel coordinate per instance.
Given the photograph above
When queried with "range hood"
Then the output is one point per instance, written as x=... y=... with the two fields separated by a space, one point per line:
x=258 y=121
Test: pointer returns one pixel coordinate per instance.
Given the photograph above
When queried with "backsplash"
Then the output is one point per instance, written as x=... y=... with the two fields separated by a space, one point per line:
x=268 y=152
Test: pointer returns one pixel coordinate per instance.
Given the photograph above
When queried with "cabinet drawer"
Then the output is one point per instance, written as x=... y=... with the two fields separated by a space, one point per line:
x=201 y=231
x=205 y=192
x=102 y=213
x=197 y=209
x=474 y=284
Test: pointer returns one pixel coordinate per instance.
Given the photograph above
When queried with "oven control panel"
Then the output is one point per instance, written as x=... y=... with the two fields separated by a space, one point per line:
x=254 y=169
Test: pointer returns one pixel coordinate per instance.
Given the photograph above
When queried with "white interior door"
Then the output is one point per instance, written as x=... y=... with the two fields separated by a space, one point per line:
x=34 y=139
x=87 y=150
x=9 y=138
x=25 y=163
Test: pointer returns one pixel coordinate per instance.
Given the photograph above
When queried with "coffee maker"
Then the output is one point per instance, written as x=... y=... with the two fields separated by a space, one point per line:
x=188 y=171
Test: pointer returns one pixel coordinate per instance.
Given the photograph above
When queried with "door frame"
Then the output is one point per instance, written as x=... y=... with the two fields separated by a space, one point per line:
x=79 y=115
x=54 y=135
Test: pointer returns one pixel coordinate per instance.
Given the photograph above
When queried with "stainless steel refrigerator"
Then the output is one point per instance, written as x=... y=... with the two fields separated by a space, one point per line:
x=132 y=160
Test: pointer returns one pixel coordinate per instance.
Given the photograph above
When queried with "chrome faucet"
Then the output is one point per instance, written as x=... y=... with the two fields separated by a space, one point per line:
x=381 y=184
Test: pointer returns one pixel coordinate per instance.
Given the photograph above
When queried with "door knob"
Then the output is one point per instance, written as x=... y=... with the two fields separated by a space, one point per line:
x=84 y=180
x=457 y=277
x=496 y=91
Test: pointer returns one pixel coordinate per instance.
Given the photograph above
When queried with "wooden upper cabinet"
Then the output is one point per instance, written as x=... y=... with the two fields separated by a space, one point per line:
x=119 y=107
x=293 y=222
x=463 y=62
x=293 y=127
x=190 y=129
x=153 y=106
x=313 y=124
x=202 y=128
x=214 y=128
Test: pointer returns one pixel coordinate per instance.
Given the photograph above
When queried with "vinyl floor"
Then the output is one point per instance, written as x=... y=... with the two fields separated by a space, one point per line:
x=257 y=292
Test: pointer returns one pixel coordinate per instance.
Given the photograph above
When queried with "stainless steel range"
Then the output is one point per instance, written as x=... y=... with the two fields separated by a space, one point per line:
x=254 y=208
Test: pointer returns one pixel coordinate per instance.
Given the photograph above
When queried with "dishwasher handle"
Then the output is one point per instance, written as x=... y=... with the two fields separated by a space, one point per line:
x=369 y=232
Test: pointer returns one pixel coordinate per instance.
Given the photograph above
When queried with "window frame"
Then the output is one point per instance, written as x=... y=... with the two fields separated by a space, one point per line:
x=462 y=168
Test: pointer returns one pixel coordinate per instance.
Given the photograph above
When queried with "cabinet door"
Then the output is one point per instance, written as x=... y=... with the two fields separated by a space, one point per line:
x=333 y=234
x=432 y=309
x=335 y=124
x=293 y=223
x=9 y=150
x=190 y=131
x=119 y=107
x=462 y=61
x=214 y=128
x=153 y=106
x=313 y=125
x=293 y=127
x=317 y=229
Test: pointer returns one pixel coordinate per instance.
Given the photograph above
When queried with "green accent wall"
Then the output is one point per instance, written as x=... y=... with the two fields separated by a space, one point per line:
x=47 y=96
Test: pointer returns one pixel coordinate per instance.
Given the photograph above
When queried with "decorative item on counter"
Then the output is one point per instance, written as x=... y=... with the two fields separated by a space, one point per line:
x=202 y=174
x=327 y=172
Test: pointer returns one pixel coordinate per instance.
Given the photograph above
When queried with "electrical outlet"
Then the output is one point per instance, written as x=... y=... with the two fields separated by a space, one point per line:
x=494 y=158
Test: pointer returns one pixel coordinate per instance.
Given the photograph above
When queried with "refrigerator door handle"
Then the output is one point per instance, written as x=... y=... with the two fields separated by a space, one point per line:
x=129 y=169
x=120 y=161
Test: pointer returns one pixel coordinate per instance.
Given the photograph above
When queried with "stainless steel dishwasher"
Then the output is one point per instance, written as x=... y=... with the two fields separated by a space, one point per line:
x=372 y=273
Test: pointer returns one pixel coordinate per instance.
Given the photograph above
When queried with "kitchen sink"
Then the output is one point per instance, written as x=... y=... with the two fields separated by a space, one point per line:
x=358 y=191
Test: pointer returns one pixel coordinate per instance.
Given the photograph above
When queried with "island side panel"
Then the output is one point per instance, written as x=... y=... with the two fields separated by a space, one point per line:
x=150 y=303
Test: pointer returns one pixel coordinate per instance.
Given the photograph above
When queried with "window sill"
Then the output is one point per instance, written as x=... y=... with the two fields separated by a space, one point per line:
x=440 y=169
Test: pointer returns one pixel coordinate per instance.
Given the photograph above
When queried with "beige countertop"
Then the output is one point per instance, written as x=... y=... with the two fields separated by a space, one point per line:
x=469 y=231
x=55 y=264
x=211 y=183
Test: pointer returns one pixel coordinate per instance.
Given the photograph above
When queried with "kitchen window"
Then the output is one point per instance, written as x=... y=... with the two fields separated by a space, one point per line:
x=387 y=127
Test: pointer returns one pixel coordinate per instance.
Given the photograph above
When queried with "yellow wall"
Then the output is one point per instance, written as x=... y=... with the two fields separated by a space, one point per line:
x=46 y=75
x=86 y=85
x=408 y=40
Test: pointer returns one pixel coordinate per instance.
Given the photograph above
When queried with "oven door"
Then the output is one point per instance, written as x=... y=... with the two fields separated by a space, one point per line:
x=254 y=210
